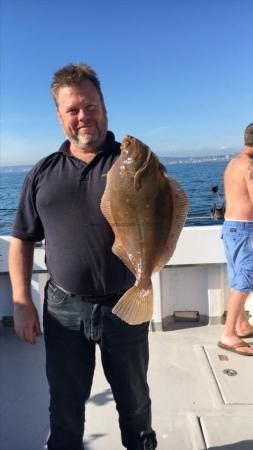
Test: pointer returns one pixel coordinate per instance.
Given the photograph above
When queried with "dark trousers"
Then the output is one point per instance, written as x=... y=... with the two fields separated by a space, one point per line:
x=72 y=327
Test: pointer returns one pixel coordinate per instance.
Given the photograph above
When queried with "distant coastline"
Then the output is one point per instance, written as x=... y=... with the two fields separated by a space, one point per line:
x=195 y=159
x=16 y=168
x=164 y=159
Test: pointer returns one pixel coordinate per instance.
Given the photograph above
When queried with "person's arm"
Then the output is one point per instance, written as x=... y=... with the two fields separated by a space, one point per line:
x=26 y=320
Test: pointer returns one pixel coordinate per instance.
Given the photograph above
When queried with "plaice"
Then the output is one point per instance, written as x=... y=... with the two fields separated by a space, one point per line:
x=146 y=210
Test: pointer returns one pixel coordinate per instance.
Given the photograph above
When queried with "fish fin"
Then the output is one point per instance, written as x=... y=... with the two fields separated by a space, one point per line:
x=136 y=305
x=119 y=251
x=117 y=248
x=105 y=207
x=139 y=173
x=181 y=204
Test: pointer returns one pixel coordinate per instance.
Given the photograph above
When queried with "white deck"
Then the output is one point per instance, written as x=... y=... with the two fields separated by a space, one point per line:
x=196 y=406
x=193 y=407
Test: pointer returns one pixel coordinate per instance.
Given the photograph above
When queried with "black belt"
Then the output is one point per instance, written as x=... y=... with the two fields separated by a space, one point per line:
x=91 y=298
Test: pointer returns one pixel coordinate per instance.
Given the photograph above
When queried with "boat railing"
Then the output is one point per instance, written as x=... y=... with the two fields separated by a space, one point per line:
x=191 y=286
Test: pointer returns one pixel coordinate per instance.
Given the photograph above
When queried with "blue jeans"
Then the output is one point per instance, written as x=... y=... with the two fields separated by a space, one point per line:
x=72 y=327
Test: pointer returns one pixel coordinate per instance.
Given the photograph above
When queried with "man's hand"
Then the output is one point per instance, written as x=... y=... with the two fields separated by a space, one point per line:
x=26 y=322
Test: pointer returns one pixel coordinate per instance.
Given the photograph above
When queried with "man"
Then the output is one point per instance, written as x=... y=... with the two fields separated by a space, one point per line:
x=61 y=203
x=237 y=234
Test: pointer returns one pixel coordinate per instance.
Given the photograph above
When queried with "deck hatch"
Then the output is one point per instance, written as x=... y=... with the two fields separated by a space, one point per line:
x=227 y=432
x=233 y=374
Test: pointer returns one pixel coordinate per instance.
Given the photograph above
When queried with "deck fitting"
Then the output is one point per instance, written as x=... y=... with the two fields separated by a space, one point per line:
x=186 y=316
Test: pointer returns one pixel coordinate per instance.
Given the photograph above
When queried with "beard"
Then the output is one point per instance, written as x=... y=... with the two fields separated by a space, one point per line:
x=84 y=142
x=94 y=139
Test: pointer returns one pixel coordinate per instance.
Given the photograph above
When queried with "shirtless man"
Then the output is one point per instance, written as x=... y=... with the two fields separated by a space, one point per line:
x=237 y=235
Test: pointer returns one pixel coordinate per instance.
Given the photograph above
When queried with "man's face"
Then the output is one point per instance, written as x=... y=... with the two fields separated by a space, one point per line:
x=82 y=115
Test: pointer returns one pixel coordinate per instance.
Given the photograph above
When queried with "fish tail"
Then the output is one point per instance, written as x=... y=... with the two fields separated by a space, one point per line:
x=136 y=305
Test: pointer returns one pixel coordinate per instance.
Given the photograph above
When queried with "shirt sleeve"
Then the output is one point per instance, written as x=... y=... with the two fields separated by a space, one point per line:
x=27 y=223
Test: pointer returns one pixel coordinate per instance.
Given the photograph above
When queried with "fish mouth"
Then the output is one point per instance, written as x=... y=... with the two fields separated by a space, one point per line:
x=127 y=141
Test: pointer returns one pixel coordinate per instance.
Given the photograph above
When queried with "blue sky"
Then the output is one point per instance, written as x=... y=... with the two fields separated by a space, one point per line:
x=175 y=74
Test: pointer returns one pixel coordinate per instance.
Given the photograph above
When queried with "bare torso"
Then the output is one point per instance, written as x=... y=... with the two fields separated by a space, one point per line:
x=238 y=186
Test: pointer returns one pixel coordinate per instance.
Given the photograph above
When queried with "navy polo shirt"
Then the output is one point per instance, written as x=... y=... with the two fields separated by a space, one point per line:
x=60 y=202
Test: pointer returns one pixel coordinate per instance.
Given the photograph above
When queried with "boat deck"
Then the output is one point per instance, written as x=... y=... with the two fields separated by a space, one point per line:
x=201 y=395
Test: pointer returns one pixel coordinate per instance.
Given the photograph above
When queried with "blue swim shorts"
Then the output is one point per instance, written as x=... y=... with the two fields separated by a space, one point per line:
x=238 y=244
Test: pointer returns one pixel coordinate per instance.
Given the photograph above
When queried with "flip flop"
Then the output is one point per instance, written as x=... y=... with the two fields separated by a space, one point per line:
x=249 y=335
x=232 y=348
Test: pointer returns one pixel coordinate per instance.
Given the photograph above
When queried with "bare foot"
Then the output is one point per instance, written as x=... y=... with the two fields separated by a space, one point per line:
x=246 y=331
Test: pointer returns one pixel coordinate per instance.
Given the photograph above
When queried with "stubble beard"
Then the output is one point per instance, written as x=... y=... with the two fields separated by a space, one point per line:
x=83 y=142
x=94 y=140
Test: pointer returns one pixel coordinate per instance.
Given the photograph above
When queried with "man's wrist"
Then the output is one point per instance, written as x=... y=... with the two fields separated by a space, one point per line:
x=22 y=301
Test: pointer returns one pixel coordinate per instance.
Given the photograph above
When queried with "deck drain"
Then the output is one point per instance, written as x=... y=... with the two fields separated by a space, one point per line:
x=230 y=372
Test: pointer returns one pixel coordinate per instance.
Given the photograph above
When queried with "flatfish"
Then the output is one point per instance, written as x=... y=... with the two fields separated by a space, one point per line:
x=146 y=210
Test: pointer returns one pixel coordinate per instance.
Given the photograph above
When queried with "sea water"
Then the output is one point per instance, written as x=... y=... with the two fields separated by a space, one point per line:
x=197 y=179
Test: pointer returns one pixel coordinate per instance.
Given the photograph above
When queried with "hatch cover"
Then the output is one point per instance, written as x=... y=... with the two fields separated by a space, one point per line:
x=233 y=374
x=227 y=432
